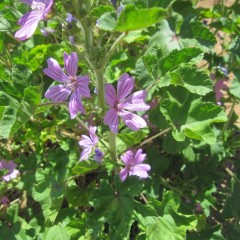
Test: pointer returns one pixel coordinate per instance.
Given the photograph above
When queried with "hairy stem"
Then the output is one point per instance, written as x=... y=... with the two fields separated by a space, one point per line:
x=51 y=104
x=100 y=88
x=112 y=49
x=112 y=145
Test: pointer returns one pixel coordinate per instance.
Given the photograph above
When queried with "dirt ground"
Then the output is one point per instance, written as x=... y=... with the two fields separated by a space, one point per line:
x=211 y=3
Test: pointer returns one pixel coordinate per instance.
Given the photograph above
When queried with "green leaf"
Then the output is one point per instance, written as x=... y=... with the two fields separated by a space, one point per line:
x=28 y=106
x=98 y=11
x=132 y=138
x=177 y=57
x=191 y=117
x=132 y=18
x=21 y=76
x=196 y=81
x=84 y=167
x=8 y=110
x=117 y=206
x=56 y=232
x=48 y=191
x=213 y=233
x=202 y=33
x=232 y=208
x=158 y=65
x=107 y=21
x=171 y=224
x=235 y=88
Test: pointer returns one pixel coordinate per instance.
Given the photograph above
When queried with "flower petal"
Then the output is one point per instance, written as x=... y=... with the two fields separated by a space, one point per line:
x=29 y=24
x=111 y=119
x=83 y=82
x=98 y=155
x=110 y=94
x=75 y=104
x=86 y=142
x=49 y=4
x=123 y=174
x=10 y=175
x=71 y=63
x=132 y=120
x=135 y=102
x=85 y=154
x=55 y=72
x=140 y=170
x=139 y=157
x=127 y=157
x=28 y=2
x=125 y=86
x=57 y=93
x=92 y=134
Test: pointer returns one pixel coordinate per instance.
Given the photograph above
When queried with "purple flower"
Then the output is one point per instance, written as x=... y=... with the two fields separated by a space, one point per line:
x=219 y=86
x=46 y=31
x=4 y=201
x=72 y=85
x=71 y=39
x=29 y=21
x=120 y=9
x=119 y=103
x=114 y=2
x=70 y=18
x=88 y=143
x=11 y=171
x=98 y=155
x=133 y=165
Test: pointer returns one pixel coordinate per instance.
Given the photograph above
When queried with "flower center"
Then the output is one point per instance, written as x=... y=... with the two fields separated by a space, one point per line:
x=72 y=83
x=119 y=106
x=38 y=6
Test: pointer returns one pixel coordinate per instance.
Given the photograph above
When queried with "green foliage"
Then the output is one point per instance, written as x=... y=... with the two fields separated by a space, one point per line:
x=116 y=206
x=178 y=52
x=132 y=18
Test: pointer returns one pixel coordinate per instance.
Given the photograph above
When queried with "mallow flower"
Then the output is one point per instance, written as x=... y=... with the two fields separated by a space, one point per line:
x=133 y=165
x=29 y=21
x=73 y=87
x=9 y=167
x=121 y=105
x=4 y=201
x=88 y=143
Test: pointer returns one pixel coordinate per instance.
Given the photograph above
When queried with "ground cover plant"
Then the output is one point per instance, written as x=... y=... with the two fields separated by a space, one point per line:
x=119 y=120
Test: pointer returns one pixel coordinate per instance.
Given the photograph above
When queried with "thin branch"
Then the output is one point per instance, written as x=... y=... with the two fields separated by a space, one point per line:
x=51 y=103
x=112 y=49
x=83 y=125
x=155 y=136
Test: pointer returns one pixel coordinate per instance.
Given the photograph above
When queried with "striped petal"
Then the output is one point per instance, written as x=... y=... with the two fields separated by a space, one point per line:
x=57 y=93
x=55 y=72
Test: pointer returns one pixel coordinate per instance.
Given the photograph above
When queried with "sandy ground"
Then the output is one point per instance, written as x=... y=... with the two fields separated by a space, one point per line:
x=211 y=3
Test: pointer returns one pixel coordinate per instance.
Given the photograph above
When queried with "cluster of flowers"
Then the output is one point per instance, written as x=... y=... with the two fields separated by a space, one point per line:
x=73 y=88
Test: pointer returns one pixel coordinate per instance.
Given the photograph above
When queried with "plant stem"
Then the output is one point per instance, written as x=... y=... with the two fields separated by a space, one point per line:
x=100 y=88
x=155 y=136
x=112 y=49
x=112 y=145
x=102 y=104
x=169 y=186
x=229 y=118
x=83 y=125
x=51 y=103
x=231 y=174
